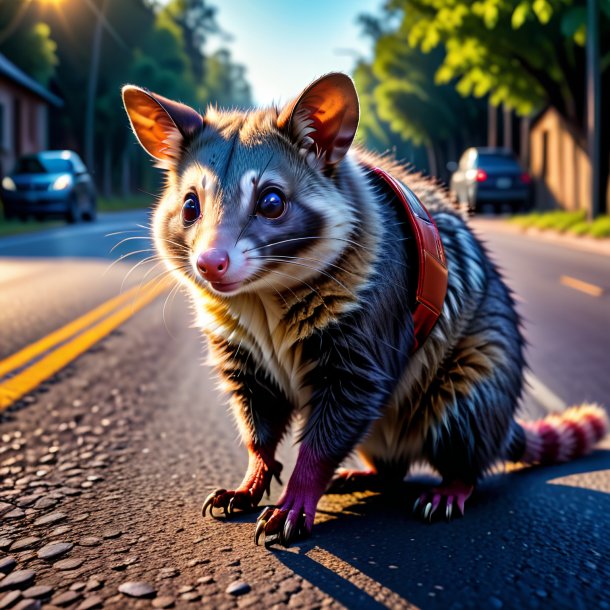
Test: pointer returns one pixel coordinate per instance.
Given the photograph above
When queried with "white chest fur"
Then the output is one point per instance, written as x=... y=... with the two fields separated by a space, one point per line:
x=260 y=329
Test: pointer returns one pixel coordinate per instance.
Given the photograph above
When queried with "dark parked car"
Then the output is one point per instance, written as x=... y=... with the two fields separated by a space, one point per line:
x=49 y=183
x=490 y=175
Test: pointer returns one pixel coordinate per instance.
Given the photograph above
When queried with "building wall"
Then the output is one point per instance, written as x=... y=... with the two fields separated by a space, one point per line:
x=559 y=165
x=23 y=127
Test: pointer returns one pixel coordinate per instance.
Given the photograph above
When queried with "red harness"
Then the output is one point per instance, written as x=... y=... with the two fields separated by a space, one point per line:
x=432 y=265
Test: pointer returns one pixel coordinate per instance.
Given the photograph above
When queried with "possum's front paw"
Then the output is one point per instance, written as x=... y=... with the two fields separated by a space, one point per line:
x=448 y=496
x=247 y=496
x=281 y=525
x=291 y=520
x=294 y=514
x=230 y=500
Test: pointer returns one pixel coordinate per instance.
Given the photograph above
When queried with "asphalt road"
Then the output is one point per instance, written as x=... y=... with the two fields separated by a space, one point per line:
x=115 y=453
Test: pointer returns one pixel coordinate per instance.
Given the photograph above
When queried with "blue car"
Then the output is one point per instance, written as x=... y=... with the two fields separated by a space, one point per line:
x=49 y=183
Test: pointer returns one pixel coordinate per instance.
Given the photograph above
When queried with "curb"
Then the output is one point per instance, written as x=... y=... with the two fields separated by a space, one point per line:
x=574 y=242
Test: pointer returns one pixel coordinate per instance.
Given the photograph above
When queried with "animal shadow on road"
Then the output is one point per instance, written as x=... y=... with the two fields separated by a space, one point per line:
x=532 y=538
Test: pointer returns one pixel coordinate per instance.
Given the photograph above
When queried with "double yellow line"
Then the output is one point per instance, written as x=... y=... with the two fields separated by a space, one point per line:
x=50 y=354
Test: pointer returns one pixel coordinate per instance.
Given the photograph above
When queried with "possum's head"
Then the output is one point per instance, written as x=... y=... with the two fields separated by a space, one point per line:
x=250 y=204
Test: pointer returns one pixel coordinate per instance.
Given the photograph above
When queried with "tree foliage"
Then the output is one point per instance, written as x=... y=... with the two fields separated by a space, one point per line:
x=399 y=94
x=158 y=46
x=27 y=41
x=524 y=54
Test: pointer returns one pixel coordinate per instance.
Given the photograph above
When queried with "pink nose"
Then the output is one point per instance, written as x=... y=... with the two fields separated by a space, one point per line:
x=213 y=264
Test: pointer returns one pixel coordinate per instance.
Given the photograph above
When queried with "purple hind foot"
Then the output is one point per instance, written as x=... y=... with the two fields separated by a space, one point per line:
x=449 y=496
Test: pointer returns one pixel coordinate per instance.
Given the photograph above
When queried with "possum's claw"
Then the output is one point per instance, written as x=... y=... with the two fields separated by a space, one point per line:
x=209 y=502
x=250 y=492
x=261 y=522
x=453 y=494
x=229 y=501
x=280 y=526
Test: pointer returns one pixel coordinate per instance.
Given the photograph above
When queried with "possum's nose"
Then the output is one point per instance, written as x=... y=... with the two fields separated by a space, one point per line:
x=213 y=264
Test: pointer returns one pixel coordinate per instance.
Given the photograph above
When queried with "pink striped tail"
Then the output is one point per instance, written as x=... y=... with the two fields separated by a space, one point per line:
x=564 y=436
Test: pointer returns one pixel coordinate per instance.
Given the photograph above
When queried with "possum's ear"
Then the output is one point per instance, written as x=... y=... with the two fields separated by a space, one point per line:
x=163 y=127
x=322 y=121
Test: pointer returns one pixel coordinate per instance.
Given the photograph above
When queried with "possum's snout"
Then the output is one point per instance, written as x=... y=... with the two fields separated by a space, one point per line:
x=223 y=265
x=213 y=264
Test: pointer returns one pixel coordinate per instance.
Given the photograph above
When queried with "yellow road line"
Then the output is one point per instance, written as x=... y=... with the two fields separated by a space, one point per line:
x=61 y=334
x=591 y=289
x=25 y=381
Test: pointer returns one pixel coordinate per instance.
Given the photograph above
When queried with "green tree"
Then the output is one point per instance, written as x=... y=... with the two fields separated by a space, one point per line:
x=197 y=21
x=398 y=90
x=375 y=133
x=226 y=83
x=26 y=41
x=527 y=54
x=161 y=46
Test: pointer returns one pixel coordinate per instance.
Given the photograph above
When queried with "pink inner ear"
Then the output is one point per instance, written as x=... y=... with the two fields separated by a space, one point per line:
x=188 y=120
x=324 y=118
x=160 y=124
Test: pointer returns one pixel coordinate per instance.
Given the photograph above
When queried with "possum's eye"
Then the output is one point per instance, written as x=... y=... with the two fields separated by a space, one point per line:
x=271 y=203
x=191 y=210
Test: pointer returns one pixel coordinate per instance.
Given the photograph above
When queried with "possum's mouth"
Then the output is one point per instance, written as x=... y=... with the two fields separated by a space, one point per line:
x=226 y=287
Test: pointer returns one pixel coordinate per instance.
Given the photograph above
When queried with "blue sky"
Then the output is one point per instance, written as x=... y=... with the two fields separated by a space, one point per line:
x=287 y=44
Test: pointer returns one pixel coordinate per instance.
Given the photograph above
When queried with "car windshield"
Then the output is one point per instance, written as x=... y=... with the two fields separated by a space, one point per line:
x=493 y=160
x=42 y=165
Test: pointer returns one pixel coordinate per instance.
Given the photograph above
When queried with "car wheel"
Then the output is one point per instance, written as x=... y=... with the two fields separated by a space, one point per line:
x=91 y=213
x=73 y=214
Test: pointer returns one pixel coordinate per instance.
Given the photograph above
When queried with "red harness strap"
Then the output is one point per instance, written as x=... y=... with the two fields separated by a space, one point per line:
x=432 y=265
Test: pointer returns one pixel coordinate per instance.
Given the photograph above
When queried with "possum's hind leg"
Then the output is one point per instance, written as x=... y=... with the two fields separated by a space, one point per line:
x=466 y=442
x=468 y=409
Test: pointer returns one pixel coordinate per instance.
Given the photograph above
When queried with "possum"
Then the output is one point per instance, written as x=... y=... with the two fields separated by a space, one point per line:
x=302 y=273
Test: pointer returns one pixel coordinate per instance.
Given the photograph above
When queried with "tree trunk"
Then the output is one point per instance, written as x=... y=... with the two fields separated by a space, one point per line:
x=492 y=125
x=524 y=149
x=452 y=149
x=441 y=160
x=507 y=128
x=107 y=171
x=125 y=174
x=604 y=165
x=89 y=135
x=432 y=165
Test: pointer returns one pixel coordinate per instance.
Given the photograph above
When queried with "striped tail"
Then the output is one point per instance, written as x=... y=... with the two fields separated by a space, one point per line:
x=560 y=437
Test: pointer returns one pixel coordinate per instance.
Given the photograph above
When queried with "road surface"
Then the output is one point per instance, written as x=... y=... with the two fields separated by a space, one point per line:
x=113 y=456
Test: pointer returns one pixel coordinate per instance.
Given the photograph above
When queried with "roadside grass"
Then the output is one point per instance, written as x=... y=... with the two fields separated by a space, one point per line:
x=565 y=222
x=119 y=204
x=16 y=227
x=113 y=204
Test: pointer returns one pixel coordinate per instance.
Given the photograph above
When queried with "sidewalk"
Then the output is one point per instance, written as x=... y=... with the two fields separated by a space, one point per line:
x=574 y=242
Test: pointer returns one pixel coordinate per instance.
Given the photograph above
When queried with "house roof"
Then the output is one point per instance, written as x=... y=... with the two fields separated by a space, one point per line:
x=12 y=72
